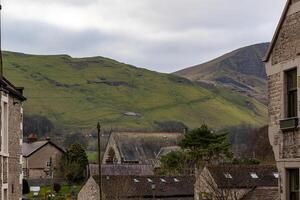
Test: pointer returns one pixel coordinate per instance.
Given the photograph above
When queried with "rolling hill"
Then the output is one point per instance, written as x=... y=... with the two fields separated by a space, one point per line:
x=75 y=93
x=241 y=70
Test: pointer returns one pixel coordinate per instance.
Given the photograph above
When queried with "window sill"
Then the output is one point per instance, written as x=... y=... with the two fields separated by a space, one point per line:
x=289 y=124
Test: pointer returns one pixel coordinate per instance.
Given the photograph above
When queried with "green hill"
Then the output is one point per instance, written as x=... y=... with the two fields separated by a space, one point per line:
x=75 y=93
x=241 y=70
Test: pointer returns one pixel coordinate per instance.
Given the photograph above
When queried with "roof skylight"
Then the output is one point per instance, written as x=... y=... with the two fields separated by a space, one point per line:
x=254 y=175
x=163 y=180
x=227 y=175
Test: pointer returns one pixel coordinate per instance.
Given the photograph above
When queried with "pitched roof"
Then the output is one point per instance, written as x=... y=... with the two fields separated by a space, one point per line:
x=13 y=90
x=263 y=193
x=122 y=170
x=240 y=176
x=275 y=37
x=143 y=147
x=142 y=186
x=30 y=148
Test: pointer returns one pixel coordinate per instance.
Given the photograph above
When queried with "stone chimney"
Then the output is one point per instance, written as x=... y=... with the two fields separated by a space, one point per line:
x=32 y=137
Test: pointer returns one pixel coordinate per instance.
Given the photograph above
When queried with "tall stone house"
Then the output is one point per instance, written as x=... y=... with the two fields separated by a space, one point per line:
x=11 y=141
x=283 y=70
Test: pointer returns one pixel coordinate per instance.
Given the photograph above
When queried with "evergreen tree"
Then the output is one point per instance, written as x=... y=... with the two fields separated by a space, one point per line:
x=74 y=162
x=205 y=146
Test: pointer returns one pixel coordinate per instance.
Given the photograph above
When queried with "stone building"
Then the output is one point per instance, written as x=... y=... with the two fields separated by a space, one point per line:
x=11 y=140
x=139 y=187
x=234 y=182
x=139 y=148
x=283 y=70
x=37 y=156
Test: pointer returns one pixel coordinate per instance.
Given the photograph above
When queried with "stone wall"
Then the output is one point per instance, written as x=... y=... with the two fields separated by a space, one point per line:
x=15 y=149
x=90 y=191
x=37 y=162
x=295 y=1
x=287 y=45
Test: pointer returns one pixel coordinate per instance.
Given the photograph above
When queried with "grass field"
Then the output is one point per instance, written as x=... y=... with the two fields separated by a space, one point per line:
x=75 y=93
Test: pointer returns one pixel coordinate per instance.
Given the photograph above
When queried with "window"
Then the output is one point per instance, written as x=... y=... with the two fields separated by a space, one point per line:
x=291 y=81
x=293 y=184
x=149 y=180
x=276 y=175
x=254 y=175
x=136 y=180
x=227 y=175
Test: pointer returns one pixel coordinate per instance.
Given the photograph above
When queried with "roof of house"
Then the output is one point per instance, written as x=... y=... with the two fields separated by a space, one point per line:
x=30 y=148
x=275 y=37
x=13 y=90
x=142 y=186
x=143 y=147
x=234 y=176
x=122 y=169
x=166 y=150
x=263 y=193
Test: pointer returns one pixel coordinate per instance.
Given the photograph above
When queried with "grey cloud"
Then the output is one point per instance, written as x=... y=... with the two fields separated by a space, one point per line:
x=195 y=31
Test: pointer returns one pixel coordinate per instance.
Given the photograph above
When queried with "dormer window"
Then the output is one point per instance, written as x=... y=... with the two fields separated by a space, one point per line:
x=291 y=85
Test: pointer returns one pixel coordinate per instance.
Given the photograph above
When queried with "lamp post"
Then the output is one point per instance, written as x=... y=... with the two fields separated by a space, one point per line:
x=99 y=159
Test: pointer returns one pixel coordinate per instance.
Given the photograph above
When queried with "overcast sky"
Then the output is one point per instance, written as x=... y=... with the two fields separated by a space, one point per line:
x=161 y=35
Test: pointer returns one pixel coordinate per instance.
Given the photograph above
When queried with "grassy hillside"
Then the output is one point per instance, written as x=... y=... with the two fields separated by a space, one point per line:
x=241 y=70
x=74 y=93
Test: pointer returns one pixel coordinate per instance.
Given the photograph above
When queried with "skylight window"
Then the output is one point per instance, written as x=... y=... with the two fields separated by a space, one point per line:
x=163 y=180
x=227 y=175
x=149 y=180
x=253 y=175
x=276 y=175
x=136 y=180
x=176 y=180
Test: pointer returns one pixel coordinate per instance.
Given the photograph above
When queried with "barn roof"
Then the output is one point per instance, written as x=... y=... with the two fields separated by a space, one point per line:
x=143 y=147
x=249 y=176
x=142 y=186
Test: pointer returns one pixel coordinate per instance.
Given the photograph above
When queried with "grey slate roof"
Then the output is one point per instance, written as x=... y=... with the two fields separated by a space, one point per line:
x=263 y=193
x=241 y=177
x=143 y=147
x=29 y=148
x=140 y=187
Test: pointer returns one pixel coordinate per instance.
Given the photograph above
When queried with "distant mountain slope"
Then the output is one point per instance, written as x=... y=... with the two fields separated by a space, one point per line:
x=241 y=70
x=75 y=93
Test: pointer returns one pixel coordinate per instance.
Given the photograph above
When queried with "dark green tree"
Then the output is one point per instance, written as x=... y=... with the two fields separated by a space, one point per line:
x=73 y=163
x=205 y=146
x=174 y=163
x=200 y=147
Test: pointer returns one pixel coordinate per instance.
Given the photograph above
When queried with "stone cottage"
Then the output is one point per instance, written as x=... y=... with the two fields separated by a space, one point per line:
x=11 y=140
x=138 y=147
x=37 y=157
x=139 y=187
x=283 y=69
x=234 y=182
